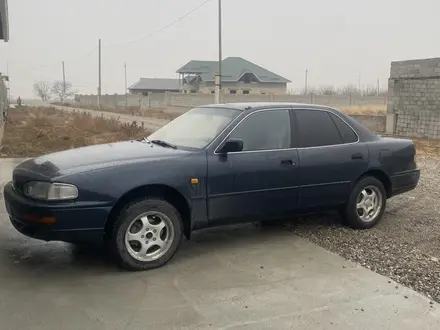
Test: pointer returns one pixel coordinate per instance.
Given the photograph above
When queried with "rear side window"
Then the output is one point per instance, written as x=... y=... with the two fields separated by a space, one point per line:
x=316 y=128
x=347 y=133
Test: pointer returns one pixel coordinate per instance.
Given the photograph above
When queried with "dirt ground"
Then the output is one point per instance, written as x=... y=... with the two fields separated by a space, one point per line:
x=133 y=111
x=35 y=131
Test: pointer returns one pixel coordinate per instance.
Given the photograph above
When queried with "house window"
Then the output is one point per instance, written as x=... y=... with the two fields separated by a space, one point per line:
x=248 y=78
x=232 y=91
x=245 y=92
x=193 y=91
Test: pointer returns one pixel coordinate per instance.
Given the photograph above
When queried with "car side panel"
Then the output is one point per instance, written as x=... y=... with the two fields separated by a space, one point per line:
x=395 y=158
x=176 y=174
x=253 y=185
x=395 y=155
x=327 y=174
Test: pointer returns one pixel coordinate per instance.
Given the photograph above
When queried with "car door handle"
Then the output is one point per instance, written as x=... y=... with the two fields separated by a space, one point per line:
x=287 y=162
x=357 y=156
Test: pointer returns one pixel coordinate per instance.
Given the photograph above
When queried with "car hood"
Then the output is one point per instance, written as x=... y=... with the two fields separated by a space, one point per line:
x=93 y=158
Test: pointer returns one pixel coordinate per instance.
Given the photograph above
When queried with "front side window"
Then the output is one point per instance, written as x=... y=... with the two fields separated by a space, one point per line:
x=316 y=128
x=196 y=128
x=264 y=130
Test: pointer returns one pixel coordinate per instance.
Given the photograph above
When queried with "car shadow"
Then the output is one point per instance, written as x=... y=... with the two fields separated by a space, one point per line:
x=234 y=236
x=23 y=256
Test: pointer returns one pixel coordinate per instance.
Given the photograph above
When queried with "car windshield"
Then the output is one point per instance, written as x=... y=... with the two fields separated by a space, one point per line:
x=196 y=128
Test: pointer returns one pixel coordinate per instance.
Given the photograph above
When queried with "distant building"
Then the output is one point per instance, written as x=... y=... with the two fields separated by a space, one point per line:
x=155 y=85
x=4 y=24
x=239 y=76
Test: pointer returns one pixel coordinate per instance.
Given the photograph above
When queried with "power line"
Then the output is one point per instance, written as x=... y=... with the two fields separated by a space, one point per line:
x=127 y=43
x=74 y=59
x=83 y=55
x=163 y=28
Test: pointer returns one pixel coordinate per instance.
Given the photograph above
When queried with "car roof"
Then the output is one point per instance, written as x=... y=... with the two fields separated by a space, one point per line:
x=262 y=105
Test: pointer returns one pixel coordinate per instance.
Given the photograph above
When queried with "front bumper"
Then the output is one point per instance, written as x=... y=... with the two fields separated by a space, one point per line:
x=49 y=221
x=404 y=181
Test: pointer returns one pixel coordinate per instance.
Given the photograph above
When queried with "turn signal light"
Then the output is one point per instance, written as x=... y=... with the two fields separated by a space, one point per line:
x=38 y=219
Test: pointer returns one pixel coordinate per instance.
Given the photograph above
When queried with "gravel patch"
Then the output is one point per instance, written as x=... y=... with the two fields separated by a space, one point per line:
x=404 y=246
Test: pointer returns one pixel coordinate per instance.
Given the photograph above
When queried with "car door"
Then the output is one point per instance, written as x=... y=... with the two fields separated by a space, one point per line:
x=261 y=181
x=331 y=158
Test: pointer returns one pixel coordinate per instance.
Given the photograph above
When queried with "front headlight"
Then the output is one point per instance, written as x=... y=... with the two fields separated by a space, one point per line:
x=50 y=191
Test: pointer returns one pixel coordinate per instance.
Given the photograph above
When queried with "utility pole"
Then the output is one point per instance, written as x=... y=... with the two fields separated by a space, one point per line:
x=305 y=85
x=125 y=72
x=9 y=83
x=378 y=88
x=64 y=80
x=219 y=74
x=359 y=83
x=99 y=74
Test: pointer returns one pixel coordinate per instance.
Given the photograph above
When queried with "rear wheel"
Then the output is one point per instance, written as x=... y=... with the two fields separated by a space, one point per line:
x=147 y=234
x=366 y=204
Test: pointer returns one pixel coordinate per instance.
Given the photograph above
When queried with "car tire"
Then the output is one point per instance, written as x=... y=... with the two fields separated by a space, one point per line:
x=366 y=204
x=142 y=226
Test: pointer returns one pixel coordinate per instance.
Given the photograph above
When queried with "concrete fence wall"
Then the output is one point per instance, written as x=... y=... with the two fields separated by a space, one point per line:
x=374 y=123
x=3 y=107
x=179 y=103
x=166 y=100
x=414 y=98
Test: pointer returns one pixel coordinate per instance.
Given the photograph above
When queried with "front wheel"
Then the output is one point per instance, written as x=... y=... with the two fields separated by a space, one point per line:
x=366 y=204
x=147 y=234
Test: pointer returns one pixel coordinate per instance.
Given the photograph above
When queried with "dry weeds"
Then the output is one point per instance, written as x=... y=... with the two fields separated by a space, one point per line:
x=371 y=110
x=427 y=147
x=36 y=131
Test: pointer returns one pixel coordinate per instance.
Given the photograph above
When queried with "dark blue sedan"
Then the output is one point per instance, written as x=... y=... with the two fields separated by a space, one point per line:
x=214 y=165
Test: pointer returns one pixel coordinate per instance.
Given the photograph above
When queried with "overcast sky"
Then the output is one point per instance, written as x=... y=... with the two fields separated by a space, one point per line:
x=333 y=39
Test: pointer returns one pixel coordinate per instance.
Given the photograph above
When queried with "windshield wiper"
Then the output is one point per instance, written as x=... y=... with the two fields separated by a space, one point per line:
x=163 y=144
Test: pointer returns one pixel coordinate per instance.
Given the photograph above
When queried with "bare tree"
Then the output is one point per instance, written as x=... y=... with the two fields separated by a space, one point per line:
x=61 y=90
x=327 y=90
x=371 y=90
x=347 y=90
x=43 y=90
x=311 y=90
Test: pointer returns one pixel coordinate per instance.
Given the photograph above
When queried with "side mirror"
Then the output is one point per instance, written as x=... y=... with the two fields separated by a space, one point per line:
x=232 y=145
